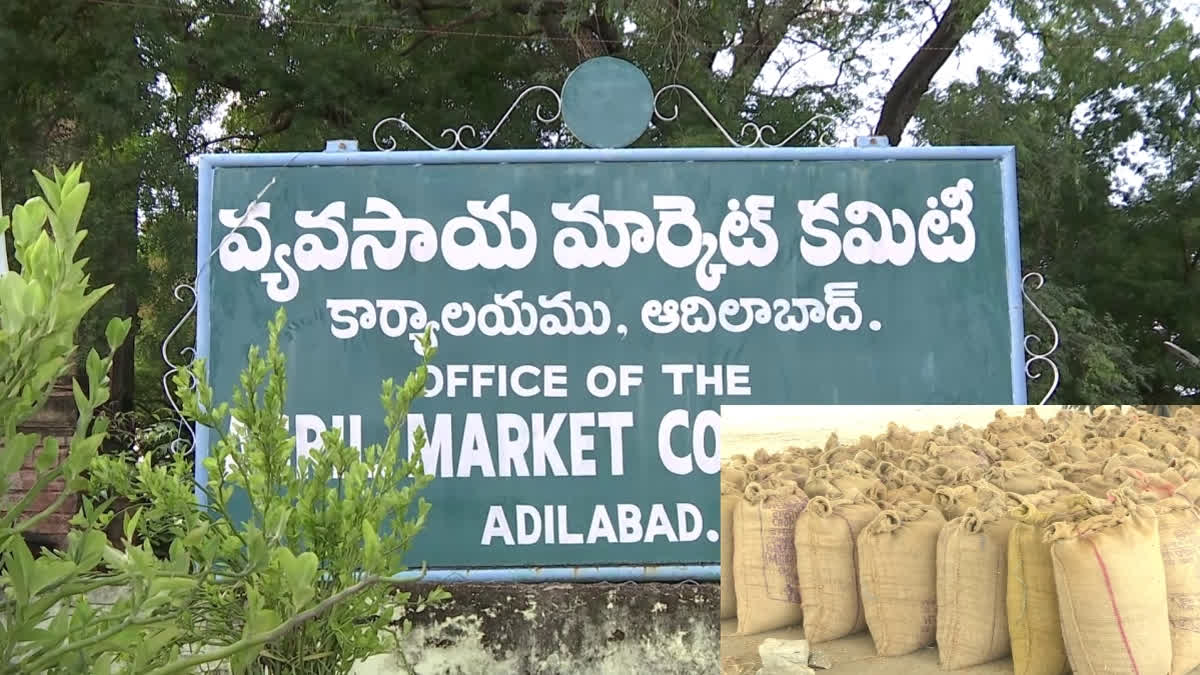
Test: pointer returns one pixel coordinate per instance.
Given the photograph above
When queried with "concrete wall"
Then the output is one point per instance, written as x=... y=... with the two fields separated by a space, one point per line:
x=581 y=629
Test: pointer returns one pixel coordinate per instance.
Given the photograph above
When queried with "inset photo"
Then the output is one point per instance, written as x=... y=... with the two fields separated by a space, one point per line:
x=979 y=539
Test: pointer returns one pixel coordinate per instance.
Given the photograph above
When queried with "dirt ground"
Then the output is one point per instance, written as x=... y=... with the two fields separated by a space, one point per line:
x=854 y=655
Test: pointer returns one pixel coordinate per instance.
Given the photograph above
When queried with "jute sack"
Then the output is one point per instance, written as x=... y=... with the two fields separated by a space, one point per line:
x=866 y=460
x=1187 y=467
x=1022 y=479
x=1190 y=490
x=1079 y=471
x=848 y=481
x=1179 y=540
x=764 y=557
x=1098 y=486
x=897 y=566
x=1035 y=633
x=909 y=487
x=1156 y=486
x=914 y=463
x=953 y=502
x=939 y=474
x=819 y=483
x=1112 y=592
x=968 y=474
x=826 y=535
x=955 y=456
x=732 y=482
x=972 y=569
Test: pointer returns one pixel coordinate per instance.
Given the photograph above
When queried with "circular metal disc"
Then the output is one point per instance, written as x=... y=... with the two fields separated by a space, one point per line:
x=607 y=102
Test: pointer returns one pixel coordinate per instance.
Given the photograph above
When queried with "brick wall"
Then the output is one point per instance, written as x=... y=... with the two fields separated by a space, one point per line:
x=56 y=419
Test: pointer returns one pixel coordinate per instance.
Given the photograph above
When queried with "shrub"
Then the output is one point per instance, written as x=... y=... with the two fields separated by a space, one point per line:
x=302 y=586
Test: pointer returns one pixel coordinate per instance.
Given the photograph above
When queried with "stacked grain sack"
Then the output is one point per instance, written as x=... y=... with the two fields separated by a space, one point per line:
x=1072 y=542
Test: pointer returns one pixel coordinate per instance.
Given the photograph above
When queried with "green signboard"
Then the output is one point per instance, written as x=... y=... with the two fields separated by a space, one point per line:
x=594 y=309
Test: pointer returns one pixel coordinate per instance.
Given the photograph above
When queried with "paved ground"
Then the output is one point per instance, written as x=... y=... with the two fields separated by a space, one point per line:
x=854 y=655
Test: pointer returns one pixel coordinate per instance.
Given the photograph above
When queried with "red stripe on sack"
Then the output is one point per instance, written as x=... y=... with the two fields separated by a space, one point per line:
x=1116 y=613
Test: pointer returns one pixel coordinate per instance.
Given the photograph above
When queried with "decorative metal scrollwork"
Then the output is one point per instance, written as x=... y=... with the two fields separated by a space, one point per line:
x=758 y=133
x=189 y=353
x=468 y=137
x=457 y=135
x=1036 y=358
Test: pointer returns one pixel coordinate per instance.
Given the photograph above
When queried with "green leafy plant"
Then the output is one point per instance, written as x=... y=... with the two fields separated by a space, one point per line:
x=159 y=451
x=286 y=588
x=49 y=622
x=335 y=524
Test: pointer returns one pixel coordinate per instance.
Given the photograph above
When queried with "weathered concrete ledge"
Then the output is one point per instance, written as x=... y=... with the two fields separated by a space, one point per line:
x=548 y=629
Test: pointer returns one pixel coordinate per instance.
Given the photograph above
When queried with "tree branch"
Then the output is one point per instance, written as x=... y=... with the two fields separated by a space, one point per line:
x=763 y=34
x=901 y=101
x=434 y=31
x=279 y=631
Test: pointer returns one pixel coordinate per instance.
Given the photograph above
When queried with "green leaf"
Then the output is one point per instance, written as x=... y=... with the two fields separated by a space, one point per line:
x=116 y=332
x=69 y=180
x=27 y=222
x=131 y=525
x=94 y=368
x=437 y=595
x=151 y=646
x=49 y=188
x=259 y=620
x=71 y=209
x=302 y=575
x=371 y=554
x=60 y=626
x=48 y=457
x=48 y=571
x=16 y=450
x=103 y=665
x=81 y=400
x=19 y=564
x=196 y=535
x=90 y=550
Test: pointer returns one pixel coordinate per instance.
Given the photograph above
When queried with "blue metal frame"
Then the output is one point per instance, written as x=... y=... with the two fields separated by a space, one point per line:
x=533 y=575
x=208 y=164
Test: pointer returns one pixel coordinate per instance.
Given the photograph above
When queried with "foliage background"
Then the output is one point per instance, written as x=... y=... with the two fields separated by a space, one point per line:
x=133 y=87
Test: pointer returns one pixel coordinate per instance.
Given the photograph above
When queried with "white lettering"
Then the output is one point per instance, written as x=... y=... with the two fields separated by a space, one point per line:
x=684 y=512
x=512 y=443
x=582 y=442
x=629 y=523
x=308 y=434
x=739 y=380
x=630 y=377
x=706 y=421
x=530 y=534
x=676 y=464
x=604 y=374
x=475 y=451
x=659 y=525
x=616 y=423
x=545 y=447
x=496 y=526
x=565 y=536
x=601 y=526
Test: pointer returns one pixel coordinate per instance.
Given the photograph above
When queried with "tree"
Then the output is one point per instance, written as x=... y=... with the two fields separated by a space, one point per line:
x=75 y=84
x=294 y=74
x=1121 y=266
